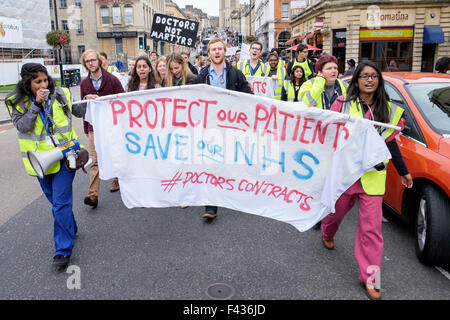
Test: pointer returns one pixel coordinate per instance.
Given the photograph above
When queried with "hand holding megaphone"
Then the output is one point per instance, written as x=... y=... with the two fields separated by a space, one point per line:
x=41 y=161
x=42 y=95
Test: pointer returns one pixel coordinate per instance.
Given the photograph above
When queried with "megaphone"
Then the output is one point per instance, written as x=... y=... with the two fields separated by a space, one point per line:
x=42 y=161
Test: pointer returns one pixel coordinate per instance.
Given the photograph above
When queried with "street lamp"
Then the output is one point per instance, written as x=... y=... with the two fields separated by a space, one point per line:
x=59 y=49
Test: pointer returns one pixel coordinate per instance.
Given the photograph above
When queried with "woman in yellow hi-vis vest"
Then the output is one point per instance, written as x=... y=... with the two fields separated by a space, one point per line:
x=291 y=88
x=367 y=99
x=322 y=90
x=42 y=115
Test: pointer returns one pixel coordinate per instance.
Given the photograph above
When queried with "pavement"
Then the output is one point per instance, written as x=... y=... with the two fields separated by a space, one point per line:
x=4 y=114
x=171 y=253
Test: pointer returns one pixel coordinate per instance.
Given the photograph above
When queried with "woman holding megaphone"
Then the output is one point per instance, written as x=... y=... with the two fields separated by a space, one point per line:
x=42 y=115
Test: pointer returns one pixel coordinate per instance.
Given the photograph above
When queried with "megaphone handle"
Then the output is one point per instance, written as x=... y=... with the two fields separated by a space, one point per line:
x=88 y=163
x=72 y=159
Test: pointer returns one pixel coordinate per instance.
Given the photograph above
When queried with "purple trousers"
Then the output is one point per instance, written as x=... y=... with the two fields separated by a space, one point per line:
x=369 y=240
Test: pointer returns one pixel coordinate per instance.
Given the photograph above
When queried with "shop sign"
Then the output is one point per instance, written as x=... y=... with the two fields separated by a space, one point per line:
x=374 y=17
x=386 y=34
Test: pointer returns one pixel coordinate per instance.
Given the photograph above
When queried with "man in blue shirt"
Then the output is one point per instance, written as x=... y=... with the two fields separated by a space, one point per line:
x=221 y=74
x=119 y=64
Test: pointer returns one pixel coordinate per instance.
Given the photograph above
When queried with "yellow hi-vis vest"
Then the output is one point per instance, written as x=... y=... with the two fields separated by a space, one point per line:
x=112 y=69
x=244 y=66
x=281 y=74
x=374 y=182
x=304 y=65
x=312 y=90
x=35 y=139
x=290 y=91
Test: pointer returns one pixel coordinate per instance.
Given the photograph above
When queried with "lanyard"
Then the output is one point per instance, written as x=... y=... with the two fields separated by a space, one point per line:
x=378 y=128
x=45 y=121
x=253 y=71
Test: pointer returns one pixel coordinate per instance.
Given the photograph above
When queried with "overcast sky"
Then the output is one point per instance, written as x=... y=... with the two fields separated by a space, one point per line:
x=211 y=7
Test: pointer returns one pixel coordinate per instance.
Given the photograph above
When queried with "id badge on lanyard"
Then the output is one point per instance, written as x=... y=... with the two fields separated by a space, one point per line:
x=50 y=138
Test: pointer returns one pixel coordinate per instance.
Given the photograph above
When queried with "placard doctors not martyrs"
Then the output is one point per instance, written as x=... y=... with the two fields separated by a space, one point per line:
x=201 y=145
x=174 y=30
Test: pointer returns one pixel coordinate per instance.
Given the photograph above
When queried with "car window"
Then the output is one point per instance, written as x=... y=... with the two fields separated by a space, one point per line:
x=394 y=95
x=436 y=117
x=411 y=129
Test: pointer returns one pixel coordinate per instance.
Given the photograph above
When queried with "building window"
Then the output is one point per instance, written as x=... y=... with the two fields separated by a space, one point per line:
x=119 y=46
x=80 y=27
x=67 y=56
x=65 y=25
x=63 y=4
x=50 y=4
x=53 y=25
x=104 y=12
x=78 y=3
x=117 y=15
x=383 y=52
x=81 y=49
x=285 y=11
x=128 y=11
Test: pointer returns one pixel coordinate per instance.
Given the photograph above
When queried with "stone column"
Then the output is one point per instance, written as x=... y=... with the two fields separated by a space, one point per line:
x=443 y=49
x=418 y=40
x=353 y=26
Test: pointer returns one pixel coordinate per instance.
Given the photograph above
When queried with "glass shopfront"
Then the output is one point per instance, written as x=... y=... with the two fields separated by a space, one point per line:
x=339 y=45
x=388 y=47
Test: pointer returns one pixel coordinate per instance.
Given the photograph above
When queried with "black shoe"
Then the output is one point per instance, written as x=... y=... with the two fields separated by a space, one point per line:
x=60 y=262
x=91 y=201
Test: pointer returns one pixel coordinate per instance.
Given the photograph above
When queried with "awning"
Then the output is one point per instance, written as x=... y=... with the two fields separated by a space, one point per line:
x=310 y=48
x=291 y=40
x=310 y=35
x=433 y=34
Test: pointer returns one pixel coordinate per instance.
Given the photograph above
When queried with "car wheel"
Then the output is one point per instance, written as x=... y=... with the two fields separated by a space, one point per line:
x=432 y=227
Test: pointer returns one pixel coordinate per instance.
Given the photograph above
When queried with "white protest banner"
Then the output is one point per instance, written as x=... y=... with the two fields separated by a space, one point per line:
x=202 y=145
x=123 y=78
x=245 y=52
x=231 y=51
x=262 y=86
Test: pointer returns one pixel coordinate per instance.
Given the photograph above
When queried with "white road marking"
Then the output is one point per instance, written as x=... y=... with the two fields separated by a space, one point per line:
x=2 y=131
x=445 y=273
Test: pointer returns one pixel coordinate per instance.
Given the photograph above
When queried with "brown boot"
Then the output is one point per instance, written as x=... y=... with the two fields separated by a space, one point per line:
x=328 y=244
x=115 y=185
x=372 y=292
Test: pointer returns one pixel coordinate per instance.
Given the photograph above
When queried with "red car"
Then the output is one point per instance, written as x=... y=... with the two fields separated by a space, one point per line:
x=425 y=146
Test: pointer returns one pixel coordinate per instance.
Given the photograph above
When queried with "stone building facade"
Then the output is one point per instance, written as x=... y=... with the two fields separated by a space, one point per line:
x=414 y=34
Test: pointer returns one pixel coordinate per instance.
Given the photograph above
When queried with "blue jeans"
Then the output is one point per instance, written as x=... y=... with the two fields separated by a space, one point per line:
x=211 y=209
x=57 y=188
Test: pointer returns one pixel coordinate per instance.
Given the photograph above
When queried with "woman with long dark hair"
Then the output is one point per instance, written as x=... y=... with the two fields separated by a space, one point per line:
x=367 y=98
x=42 y=115
x=291 y=88
x=142 y=76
